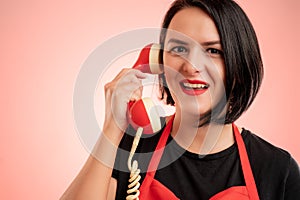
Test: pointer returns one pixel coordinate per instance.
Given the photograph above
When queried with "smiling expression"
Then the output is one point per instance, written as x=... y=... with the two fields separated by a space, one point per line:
x=193 y=60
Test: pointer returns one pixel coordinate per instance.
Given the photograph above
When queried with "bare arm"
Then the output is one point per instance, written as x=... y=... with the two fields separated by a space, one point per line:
x=94 y=180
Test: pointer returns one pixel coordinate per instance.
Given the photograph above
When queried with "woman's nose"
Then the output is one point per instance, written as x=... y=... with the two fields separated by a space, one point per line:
x=189 y=68
x=194 y=63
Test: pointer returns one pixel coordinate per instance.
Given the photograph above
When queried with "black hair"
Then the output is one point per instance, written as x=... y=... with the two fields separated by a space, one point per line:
x=242 y=58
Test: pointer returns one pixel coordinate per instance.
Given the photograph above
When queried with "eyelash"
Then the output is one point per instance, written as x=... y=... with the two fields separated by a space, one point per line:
x=175 y=50
x=214 y=51
x=183 y=50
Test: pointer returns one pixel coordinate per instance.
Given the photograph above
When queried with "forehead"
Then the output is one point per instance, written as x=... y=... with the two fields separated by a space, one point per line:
x=194 y=23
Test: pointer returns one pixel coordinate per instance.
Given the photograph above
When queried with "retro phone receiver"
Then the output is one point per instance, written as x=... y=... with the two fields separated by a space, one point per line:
x=143 y=113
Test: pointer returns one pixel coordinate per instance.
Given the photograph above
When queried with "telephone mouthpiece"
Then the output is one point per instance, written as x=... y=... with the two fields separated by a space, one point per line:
x=143 y=113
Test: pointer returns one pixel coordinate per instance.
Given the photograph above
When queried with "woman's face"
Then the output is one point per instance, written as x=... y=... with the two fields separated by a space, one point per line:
x=193 y=60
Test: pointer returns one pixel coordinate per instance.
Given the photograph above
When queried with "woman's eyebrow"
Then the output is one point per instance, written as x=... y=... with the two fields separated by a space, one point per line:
x=209 y=43
x=173 y=40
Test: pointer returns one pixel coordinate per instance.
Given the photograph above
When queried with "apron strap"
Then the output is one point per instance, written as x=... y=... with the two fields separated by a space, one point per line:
x=246 y=167
x=157 y=154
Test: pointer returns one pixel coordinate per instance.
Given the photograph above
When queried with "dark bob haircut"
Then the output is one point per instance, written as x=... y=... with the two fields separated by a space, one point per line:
x=243 y=63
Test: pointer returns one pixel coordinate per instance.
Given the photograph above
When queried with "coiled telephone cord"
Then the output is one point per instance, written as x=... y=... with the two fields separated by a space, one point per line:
x=133 y=186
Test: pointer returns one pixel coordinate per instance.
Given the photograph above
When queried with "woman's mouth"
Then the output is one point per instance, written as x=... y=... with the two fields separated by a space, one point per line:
x=193 y=87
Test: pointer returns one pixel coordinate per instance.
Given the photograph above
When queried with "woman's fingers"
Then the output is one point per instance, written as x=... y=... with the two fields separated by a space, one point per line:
x=125 y=87
x=137 y=94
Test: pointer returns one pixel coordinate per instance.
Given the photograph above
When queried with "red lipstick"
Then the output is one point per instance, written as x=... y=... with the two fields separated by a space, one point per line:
x=193 y=87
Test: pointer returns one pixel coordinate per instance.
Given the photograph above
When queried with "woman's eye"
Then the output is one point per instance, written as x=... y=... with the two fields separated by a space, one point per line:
x=179 y=50
x=214 y=51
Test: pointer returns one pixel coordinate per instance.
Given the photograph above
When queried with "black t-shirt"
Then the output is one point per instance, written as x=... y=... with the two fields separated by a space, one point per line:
x=192 y=176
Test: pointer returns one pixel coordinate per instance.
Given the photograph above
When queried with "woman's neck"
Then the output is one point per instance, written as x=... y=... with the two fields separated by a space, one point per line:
x=208 y=139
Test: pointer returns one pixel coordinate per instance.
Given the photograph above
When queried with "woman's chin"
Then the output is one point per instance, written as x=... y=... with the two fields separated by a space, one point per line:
x=191 y=112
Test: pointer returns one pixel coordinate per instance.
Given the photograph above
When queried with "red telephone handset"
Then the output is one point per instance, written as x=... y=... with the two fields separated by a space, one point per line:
x=142 y=115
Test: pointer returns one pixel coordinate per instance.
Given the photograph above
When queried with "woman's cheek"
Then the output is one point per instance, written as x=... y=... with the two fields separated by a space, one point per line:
x=218 y=69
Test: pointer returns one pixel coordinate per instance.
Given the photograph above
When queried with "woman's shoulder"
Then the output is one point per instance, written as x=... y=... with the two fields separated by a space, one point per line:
x=273 y=167
x=265 y=156
x=260 y=145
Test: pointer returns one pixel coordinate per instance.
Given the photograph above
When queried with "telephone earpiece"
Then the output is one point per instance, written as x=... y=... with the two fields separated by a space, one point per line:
x=148 y=60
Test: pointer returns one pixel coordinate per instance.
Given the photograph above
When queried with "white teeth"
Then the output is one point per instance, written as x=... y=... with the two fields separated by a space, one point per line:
x=195 y=86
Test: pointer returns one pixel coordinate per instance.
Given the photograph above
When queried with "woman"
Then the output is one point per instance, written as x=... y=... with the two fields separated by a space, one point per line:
x=205 y=155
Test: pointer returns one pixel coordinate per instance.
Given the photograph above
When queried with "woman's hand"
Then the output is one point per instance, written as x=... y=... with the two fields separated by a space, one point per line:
x=125 y=87
x=94 y=180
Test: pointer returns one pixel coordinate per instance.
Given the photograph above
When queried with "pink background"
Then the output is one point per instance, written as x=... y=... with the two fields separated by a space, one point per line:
x=44 y=43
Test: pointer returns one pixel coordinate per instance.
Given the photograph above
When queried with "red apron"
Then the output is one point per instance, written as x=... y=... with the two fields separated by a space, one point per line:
x=152 y=189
